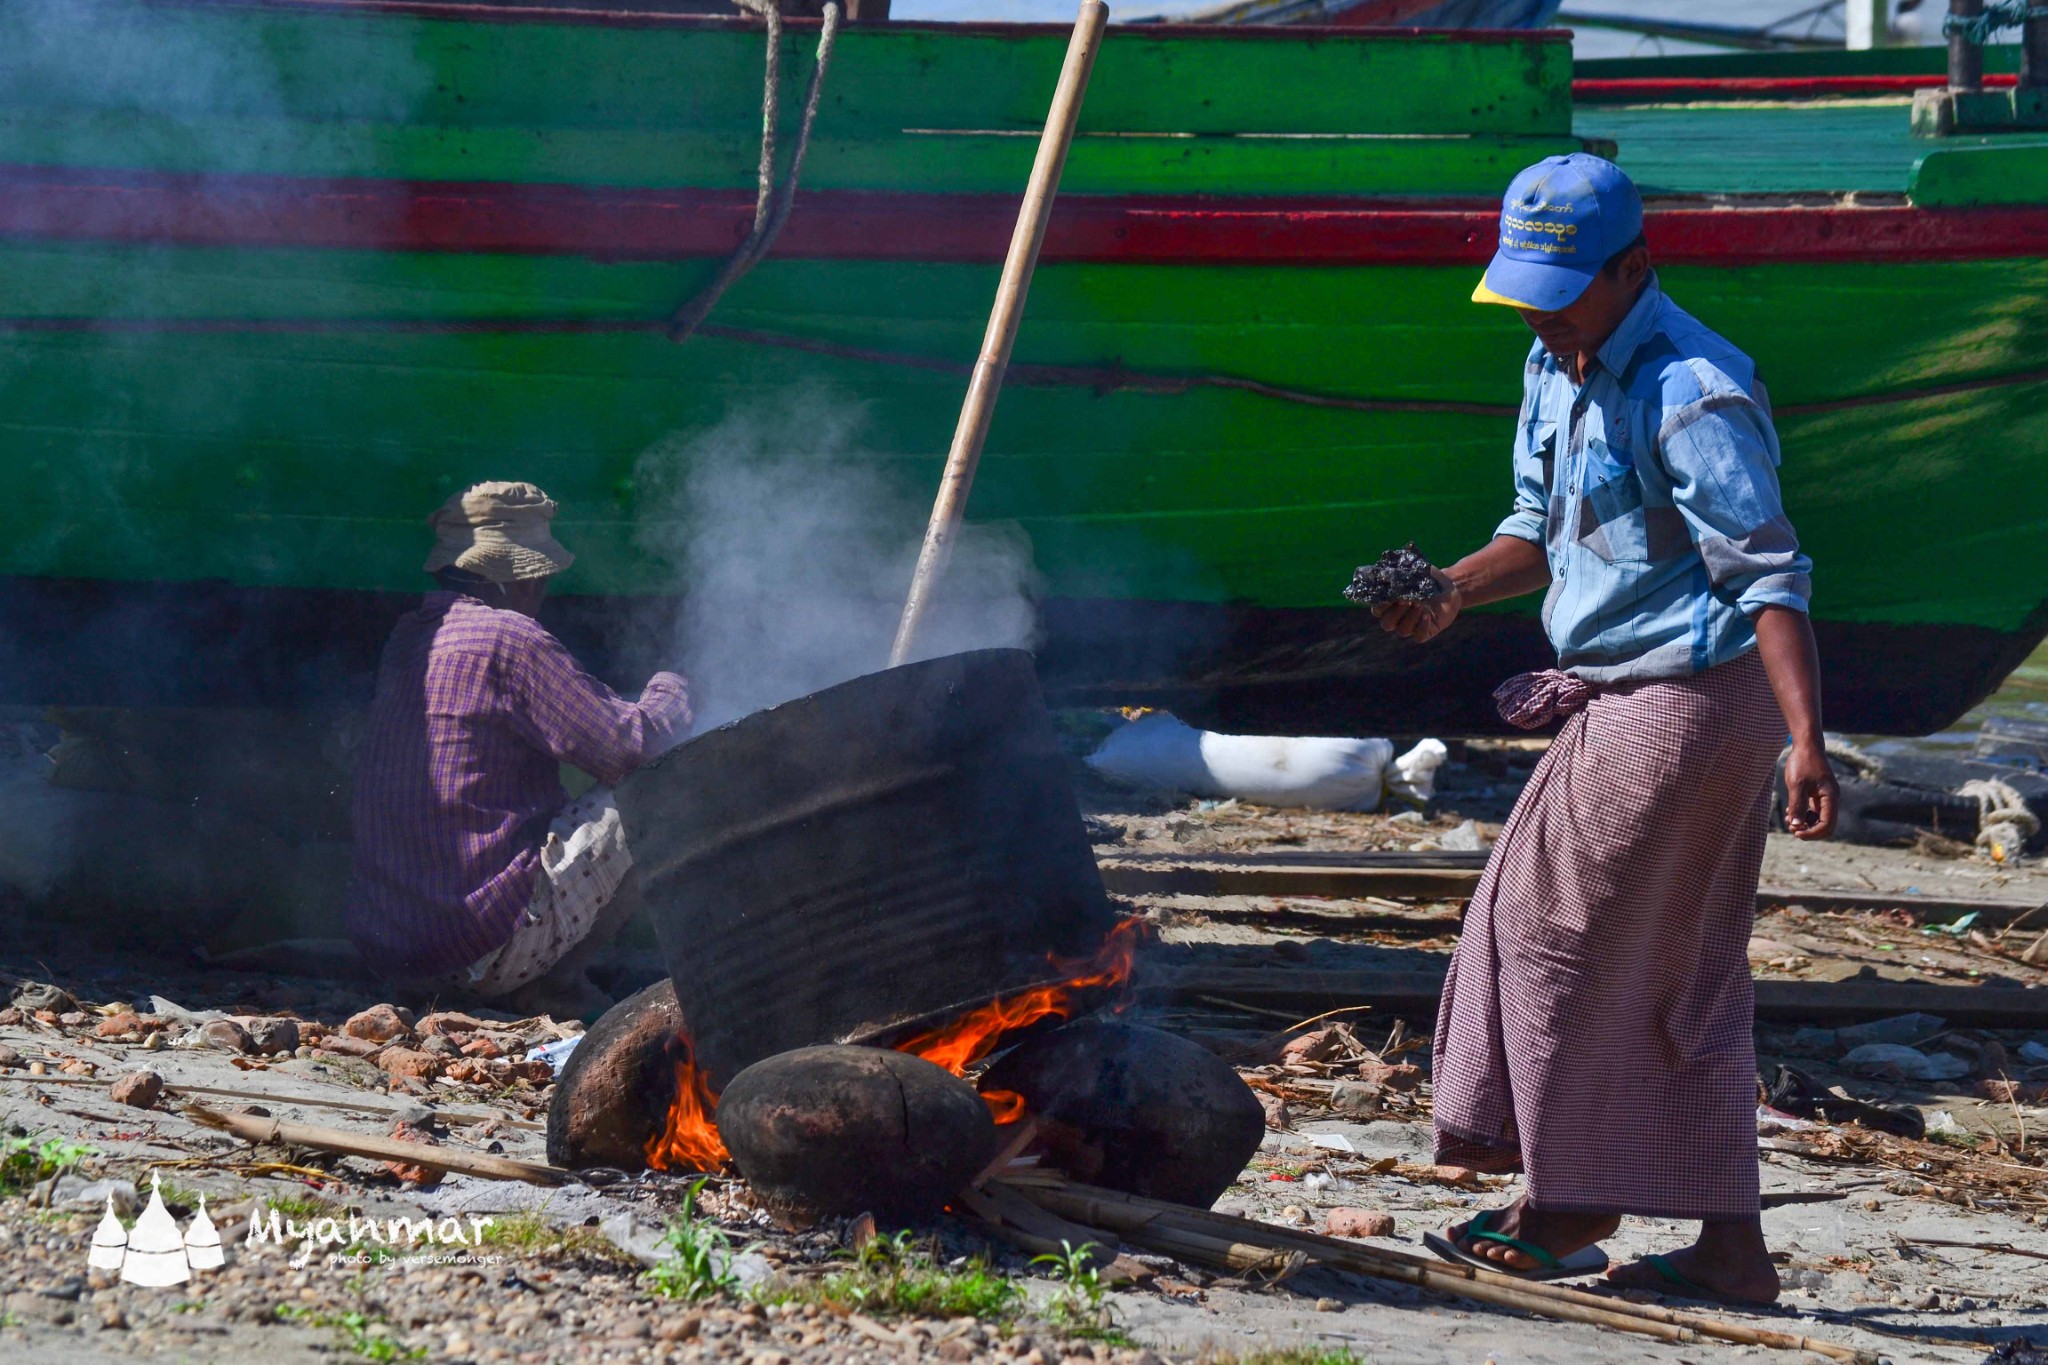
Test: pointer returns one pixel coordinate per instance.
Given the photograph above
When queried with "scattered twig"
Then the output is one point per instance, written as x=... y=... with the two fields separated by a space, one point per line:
x=1239 y=1007
x=173 y=1089
x=2006 y=1247
x=260 y=1130
x=1326 y=1014
x=1221 y=1239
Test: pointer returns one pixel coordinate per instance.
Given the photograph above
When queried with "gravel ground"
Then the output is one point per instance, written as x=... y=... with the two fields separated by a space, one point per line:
x=564 y=1278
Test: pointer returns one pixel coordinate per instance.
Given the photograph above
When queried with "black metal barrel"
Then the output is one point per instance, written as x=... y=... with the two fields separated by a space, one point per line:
x=866 y=861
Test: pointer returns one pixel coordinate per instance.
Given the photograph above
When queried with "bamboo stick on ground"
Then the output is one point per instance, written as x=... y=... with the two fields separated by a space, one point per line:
x=456 y=1160
x=1203 y=1234
x=174 y=1089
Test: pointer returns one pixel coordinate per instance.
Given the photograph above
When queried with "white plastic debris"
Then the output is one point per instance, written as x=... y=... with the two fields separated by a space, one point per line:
x=1332 y=1142
x=1942 y=1121
x=1159 y=752
x=1412 y=776
x=1466 y=838
x=555 y=1054
x=1910 y=1063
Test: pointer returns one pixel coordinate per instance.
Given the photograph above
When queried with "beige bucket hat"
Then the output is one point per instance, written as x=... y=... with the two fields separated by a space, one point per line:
x=499 y=532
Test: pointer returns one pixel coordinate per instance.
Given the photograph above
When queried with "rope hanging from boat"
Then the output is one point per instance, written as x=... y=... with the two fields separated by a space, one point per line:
x=771 y=201
x=1998 y=14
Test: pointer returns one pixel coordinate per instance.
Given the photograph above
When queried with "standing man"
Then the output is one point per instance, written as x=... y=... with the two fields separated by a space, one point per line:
x=474 y=873
x=1595 y=1031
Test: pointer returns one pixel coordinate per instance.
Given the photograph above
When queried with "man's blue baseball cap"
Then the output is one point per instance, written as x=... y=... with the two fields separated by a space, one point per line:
x=1559 y=222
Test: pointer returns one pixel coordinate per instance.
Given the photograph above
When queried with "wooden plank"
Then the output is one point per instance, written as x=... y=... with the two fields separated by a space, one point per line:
x=1308 y=991
x=1341 y=883
x=1440 y=876
x=876 y=158
x=173 y=61
x=1926 y=909
x=1964 y=177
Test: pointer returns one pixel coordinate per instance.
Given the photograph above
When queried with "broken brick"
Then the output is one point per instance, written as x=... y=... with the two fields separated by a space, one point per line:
x=139 y=1089
x=379 y=1024
x=1360 y=1223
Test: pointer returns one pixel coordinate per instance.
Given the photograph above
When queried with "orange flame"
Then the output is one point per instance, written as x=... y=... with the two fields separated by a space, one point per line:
x=972 y=1037
x=689 y=1141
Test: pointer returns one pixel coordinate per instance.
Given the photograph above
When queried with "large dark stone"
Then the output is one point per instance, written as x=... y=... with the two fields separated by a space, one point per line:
x=832 y=1130
x=1136 y=1109
x=614 y=1091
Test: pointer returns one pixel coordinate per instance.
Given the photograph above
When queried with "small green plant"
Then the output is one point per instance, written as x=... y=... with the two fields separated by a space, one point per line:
x=699 y=1260
x=304 y=1208
x=1297 y=1355
x=1073 y=1269
x=895 y=1276
x=1080 y=1307
x=359 y=1332
x=25 y=1160
x=531 y=1234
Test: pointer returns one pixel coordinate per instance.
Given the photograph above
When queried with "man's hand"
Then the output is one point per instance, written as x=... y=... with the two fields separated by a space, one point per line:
x=1811 y=793
x=1420 y=621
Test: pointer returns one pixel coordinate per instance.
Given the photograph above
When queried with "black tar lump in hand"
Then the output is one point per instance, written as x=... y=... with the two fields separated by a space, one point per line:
x=1401 y=575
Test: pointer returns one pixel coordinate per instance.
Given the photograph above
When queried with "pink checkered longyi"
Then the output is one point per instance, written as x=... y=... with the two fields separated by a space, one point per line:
x=1595 y=1029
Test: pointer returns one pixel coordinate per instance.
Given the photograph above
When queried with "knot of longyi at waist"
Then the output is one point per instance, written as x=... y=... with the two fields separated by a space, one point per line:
x=1530 y=700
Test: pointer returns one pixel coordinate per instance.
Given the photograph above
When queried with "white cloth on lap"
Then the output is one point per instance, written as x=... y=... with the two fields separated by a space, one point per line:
x=583 y=862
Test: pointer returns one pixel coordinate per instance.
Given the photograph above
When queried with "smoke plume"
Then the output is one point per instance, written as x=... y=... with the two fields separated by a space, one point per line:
x=792 y=549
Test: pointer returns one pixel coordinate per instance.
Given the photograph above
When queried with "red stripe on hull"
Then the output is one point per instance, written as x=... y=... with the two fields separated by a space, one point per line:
x=635 y=224
x=1676 y=89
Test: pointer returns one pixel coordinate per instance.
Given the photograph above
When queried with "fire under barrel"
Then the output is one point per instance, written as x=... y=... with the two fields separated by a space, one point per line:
x=863 y=863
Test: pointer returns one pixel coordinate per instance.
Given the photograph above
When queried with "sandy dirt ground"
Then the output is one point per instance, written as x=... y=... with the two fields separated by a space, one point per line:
x=1914 y=1250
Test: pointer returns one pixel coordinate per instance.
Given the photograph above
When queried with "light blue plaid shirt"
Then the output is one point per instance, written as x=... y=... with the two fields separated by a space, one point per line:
x=1653 y=488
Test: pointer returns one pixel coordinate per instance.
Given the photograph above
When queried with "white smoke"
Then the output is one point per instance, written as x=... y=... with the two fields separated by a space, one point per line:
x=792 y=548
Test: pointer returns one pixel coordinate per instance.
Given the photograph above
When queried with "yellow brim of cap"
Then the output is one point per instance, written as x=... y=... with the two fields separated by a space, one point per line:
x=1484 y=295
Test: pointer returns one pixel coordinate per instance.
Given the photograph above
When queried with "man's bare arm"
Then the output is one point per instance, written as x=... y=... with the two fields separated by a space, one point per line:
x=1508 y=566
x=1784 y=638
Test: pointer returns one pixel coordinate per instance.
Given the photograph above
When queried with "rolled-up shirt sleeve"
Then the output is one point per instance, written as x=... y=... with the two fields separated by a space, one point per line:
x=575 y=718
x=1532 y=494
x=1720 y=451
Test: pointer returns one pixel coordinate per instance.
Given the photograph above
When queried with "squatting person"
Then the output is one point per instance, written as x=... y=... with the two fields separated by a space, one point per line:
x=1595 y=1030
x=475 y=875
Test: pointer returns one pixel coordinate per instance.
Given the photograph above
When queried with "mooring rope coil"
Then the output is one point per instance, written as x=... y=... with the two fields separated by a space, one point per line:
x=771 y=202
x=1997 y=15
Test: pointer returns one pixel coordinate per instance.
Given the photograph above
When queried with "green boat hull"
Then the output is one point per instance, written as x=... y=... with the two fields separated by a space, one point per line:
x=230 y=429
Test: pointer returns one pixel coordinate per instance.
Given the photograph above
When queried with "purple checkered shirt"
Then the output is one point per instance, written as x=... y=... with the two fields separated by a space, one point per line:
x=458 y=778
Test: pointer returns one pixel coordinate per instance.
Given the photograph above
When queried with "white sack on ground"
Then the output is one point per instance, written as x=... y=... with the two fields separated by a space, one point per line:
x=1412 y=776
x=1159 y=751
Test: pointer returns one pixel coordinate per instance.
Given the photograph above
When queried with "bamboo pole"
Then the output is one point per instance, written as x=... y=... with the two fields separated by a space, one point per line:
x=987 y=380
x=1163 y=1226
x=262 y=1130
x=175 y=1089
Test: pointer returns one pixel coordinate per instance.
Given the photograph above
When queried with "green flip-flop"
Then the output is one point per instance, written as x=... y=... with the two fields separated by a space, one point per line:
x=1684 y=1286
x=1585 y=1261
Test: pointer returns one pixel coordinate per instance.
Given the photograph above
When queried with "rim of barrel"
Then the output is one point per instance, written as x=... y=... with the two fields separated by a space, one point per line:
x=862 y=680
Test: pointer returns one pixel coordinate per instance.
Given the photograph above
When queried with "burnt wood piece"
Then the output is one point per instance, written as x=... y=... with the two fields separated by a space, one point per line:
x=615 y=1090
x=1136 y=1109
x=794 y=861
x=828 y=1131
